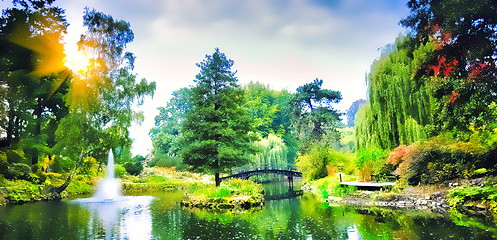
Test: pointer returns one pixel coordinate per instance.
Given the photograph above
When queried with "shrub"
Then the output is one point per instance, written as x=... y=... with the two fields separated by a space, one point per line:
x=342 y=162
x=23 y=191
x=399 y=155
x=167 y=161
x=369 y=161
x=460 y=195
x=119 y=171
x=438 y=159
x=226 y=189
x=3 y=181
x=4 y=165
x=88 y=166
x=61 y=164
x=134 y=168
x=330 y=186
x=342 y=191
x=19 y=171
x=15 y=156
x=313 y=164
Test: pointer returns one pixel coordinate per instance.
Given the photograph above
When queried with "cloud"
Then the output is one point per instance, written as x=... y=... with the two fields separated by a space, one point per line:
x=283 y=43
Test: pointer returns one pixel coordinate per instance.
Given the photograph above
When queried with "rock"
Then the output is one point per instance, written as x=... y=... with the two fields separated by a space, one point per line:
x=481 y=207
x=453 y=184
x=332 y=199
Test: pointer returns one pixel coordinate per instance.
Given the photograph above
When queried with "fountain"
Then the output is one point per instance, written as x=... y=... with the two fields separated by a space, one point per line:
x=109 y=188
x=116 y=211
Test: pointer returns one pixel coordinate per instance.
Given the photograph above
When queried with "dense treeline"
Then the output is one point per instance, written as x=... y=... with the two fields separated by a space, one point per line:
x=432 y=94
x=284 y=123
x=54 y=118
x=430 y=113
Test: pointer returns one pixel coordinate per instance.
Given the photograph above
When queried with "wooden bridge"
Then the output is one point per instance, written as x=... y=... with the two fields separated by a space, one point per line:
x=246 y=172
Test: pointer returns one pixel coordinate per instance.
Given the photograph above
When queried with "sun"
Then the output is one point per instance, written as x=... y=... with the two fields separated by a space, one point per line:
x=77 y=61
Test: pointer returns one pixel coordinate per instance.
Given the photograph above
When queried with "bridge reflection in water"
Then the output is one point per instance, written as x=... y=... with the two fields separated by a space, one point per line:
x=248 y=171
x=287 y=195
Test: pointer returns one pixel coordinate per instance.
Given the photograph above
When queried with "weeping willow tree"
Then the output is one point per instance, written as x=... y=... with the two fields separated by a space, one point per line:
x=273 y=151
x=399 y=107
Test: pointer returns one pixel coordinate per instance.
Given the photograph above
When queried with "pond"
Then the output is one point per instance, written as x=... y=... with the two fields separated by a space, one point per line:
x=286 y=216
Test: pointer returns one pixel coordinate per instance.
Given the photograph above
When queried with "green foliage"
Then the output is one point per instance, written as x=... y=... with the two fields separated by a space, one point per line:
x=321 y=161
x=4 y=165
x=135 y=166
x=19 y=171
x=81 y=184
x=398 y=106
x=15 y=156
x=261 y=106
x=370 y=161
x=39 y=90
x=166 y=133
x=343 y=162
x=461 y=71
x=163 y=160
x=119 y=171
x=218 y=133
x=272 y=151
x=441 y=158
x=21 y=191
x=226 y=189
x=313 y=163
x=347 y=139
x=460 y=196
x=272 y=113
x=314 y=117
x=330 y=186
x=31 y=64
x=101 y=104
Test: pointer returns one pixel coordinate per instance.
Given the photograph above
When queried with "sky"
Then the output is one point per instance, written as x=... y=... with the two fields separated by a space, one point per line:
x=281 y=43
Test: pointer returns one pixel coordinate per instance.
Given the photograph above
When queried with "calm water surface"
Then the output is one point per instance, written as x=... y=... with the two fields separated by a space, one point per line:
x=288 y=216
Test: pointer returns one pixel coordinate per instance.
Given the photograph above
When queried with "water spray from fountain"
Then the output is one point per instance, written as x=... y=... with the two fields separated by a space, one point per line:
x=113 y=209
x=109 y=189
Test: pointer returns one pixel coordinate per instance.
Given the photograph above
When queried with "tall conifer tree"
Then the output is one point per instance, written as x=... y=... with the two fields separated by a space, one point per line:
x=217 y=132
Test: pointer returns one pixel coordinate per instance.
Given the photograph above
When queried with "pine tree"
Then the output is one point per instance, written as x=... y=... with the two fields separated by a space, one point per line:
x=218 y=134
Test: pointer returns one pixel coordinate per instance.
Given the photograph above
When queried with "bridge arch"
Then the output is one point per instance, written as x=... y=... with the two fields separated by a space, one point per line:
x=246 y=173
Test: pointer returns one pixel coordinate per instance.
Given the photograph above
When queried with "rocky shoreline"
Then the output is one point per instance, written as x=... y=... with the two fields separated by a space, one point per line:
x=434 y=201
x=412 y=197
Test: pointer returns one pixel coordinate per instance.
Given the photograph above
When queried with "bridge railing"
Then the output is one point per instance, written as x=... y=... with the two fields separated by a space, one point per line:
x=246 y=168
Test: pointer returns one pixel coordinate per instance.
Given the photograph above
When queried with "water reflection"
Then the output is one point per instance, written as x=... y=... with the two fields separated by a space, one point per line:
x=125 y=218
x=303 y=217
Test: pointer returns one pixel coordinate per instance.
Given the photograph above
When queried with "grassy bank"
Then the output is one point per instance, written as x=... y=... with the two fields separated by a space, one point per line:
x=20 y=191
x=200 y=189
x=231 y=194
x=476 y=196
x=161 y=179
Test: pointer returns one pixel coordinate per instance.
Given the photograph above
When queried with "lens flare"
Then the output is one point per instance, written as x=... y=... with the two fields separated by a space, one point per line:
x=77 y=61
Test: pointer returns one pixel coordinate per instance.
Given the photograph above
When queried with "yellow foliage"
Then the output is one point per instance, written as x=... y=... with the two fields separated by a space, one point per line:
x=90 y=160
x=365 y=173
x=47 y=162
x=52 y=174
x=168 y=170
x=467 y=147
